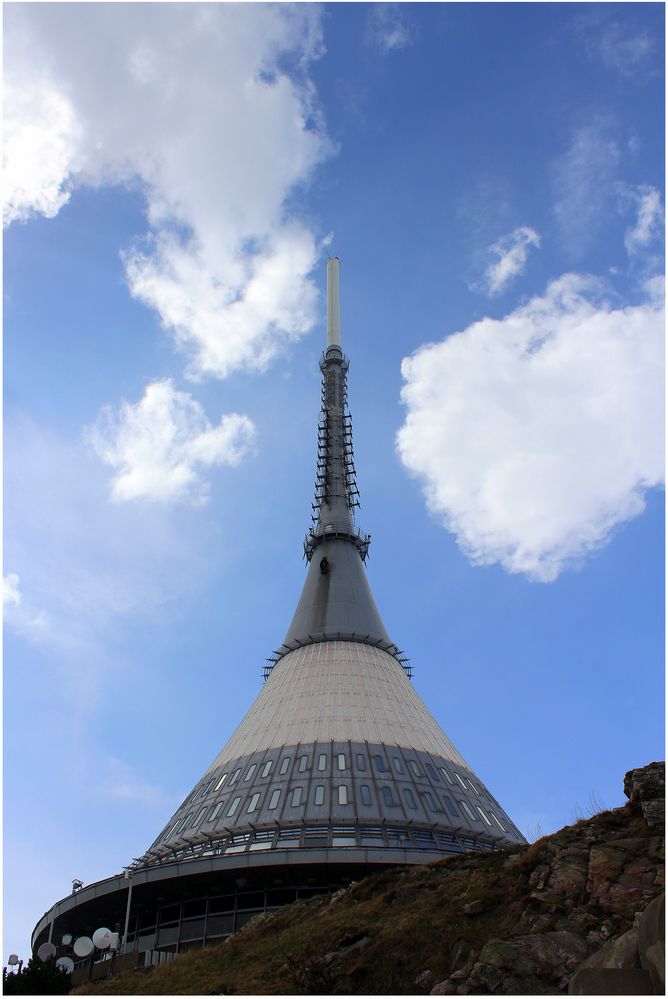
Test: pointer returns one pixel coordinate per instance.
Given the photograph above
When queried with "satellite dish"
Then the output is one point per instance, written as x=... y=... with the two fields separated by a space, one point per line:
x=65 y=964
x=46 y=951
x=66 y=939
x=83 y=946
x=102 y=938
x=13 y=959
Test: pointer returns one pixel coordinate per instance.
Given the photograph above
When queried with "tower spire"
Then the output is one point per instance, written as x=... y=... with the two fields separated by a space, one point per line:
x=336 y=602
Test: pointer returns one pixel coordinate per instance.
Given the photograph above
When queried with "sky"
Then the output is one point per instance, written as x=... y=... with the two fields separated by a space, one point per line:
x=176 y=175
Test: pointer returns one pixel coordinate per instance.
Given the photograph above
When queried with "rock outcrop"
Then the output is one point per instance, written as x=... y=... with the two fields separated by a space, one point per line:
x=580 y=910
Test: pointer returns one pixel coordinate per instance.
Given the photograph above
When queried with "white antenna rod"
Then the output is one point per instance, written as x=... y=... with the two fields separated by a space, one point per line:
x=333 y=306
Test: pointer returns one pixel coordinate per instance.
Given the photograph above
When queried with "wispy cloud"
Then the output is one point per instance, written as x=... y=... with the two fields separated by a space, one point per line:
x=512 y=253
x=193 y=106
x=649 y=224
x=388 y=27
x=618 y=45
x=11 y=595
x=584 y=181
x=160 y=446
x=537 y=434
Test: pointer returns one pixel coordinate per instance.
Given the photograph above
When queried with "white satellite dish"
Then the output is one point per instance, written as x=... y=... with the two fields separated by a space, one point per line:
x=83 y=946
x=67 y=939
x=66 y=964
x=46 y=951
x=102 y=938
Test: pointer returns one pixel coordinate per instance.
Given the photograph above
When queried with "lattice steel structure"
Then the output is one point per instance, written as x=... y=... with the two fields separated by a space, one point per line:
x=337 y=770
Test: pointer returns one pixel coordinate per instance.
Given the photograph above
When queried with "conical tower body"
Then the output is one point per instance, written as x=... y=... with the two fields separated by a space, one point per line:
x=338 y=748
x=338 y=768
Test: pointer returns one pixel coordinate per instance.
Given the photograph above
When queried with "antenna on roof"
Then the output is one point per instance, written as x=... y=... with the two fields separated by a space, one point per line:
x=333 y=306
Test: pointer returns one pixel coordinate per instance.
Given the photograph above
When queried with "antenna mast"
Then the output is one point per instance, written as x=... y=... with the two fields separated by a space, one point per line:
x=333 y=304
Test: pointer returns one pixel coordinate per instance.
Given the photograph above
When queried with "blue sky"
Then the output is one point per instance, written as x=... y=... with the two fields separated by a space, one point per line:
x=491 y=177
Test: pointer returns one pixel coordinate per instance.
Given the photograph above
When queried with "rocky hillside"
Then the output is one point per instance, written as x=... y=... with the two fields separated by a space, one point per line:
x=518 y=922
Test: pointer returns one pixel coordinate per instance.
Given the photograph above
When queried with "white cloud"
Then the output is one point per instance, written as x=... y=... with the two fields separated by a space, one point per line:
x=209 y=112
x=160 y=445
x=11 y=595
x=535 y=435
x=648 y=227
x=512 y=252
x=584 y=179
x=387 y=27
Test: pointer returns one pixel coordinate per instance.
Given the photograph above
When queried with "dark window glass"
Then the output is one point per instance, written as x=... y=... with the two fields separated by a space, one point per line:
x=387 y=795
x=432 y=772
x=380 y=764
x=365 y=794
x=397 y=764
x=450 y=805
x=415 y=768
x=410 y=798
x=361 y=762
x=429 y=798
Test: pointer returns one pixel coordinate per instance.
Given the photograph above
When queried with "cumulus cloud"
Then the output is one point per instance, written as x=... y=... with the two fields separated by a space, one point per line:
x=387 y=27
x=648 y=227
x=512 y=253
x=584 y=181
x=537 y=434
x=11 y=595
x=209 y=112
x=160 y=446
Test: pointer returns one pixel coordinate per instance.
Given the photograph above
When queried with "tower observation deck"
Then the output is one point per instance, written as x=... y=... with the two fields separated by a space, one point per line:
x=337 y=770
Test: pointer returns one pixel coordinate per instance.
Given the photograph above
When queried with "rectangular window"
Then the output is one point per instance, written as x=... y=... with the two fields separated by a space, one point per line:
x=361 y=762
x=220 y=783
x=429 y=798
x=447 y=776
x=415 y=768
x=232 y=810
x=387 y=795
x=343 y=794
x=484 y=817
x=198 y=818
x=497 y=821
x=450 y=805
x=474 y=787
x=285 y=763
x=275 y=797
x=215 y=811
x=319 y=794
x=468 y=811
x=251 y=770
x=296 y=797
x=341 y=761
x=397 y=765
x=432 y=772
x=235 y=776
x=322 y=761
x=410 y=798
x=266 y=769
x=380 y=764
x=303 y=763
x=461 y=781
x=365 y=794
x=252 y=804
